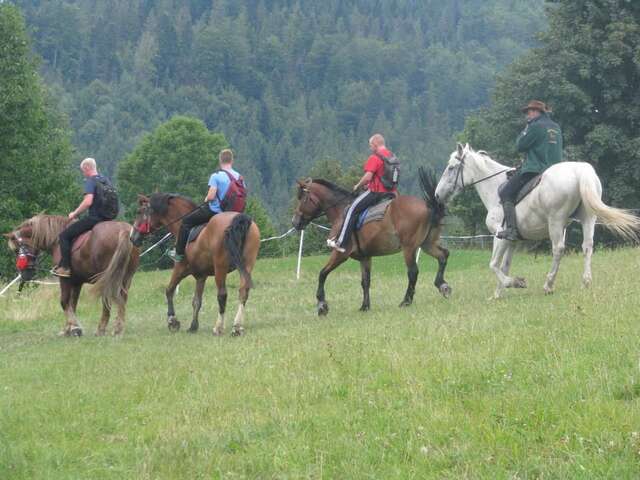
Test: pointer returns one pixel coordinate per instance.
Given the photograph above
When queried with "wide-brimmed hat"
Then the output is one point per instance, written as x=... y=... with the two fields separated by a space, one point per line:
x=536 y=105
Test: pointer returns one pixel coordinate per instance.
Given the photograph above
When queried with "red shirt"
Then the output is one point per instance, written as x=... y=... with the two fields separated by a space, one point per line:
x=375 y=165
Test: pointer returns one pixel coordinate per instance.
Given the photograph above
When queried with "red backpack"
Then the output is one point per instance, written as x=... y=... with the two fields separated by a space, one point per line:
x=235 y=200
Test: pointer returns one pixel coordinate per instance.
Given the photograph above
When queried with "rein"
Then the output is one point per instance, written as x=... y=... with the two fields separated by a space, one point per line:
x=324 y=210
x=148 y=231
x=460 y=175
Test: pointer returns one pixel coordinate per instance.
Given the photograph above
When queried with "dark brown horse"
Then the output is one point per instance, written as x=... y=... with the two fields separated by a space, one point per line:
x=103 y=256
x=409 y=223
x=230 y=240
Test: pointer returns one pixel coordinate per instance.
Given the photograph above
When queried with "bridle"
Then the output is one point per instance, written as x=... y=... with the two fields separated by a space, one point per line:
x=460 y=173
x=316 y=203
x=144 y=227
x=26 y=256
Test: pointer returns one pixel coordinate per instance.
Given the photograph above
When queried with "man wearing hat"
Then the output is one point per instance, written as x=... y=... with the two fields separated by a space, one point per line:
x=541 y=142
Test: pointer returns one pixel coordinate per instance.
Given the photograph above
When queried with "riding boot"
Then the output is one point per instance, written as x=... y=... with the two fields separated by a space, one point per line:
x=510 y=230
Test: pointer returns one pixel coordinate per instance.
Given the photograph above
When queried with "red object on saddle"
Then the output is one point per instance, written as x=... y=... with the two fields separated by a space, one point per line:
x=235 y=198
x=144 y=228
x=22 y=262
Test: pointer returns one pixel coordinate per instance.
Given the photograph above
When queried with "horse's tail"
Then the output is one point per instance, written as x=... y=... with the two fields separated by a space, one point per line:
x=234 y=239
x=620 y=221
x=110 y=283
x=428 y=184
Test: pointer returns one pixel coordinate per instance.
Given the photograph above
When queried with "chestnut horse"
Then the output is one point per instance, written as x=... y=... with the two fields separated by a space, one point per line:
x=104 y=257
x=409 y=223
x=230 y=240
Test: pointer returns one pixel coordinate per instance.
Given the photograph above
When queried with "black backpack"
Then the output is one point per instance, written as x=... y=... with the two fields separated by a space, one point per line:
x=106 y=198
x=391 y=173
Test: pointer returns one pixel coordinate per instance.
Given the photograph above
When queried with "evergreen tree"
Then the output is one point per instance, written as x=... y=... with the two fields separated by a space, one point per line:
x=35 y=151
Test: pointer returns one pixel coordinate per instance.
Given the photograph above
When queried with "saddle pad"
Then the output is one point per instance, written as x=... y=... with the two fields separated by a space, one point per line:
x=195 y=231
x=374 y=213
x=526 y=190
x=80 y=240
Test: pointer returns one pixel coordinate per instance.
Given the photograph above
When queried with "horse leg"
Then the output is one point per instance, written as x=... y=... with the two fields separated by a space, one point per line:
x=238 y=321
x=197 y=303
x=365 y=269
x=179 y=272
x=66 y=302
x=335 y=260
x=104 y=320
x=412 y=274
x=502 y=248
x=556 y=234
x=588 y=226
x=440 y=253
x=76 y=330
x=221 y=277
x=118 y=328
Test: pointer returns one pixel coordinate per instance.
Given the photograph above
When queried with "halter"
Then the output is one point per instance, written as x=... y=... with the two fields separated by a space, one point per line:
x=26 y=257
x=460 y=174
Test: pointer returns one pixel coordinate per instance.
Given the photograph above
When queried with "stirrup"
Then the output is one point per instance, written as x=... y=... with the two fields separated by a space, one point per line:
x=506 y=234
x=177 y=258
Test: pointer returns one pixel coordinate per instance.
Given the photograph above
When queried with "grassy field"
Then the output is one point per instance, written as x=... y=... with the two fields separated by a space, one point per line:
x=530 y=386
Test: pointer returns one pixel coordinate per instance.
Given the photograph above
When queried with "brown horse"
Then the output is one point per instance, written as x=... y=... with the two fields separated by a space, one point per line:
x=230 y=240
x=408 y=224
x=103 y=256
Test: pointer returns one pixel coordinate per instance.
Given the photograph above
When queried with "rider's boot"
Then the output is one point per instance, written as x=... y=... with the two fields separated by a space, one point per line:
x=510 y=230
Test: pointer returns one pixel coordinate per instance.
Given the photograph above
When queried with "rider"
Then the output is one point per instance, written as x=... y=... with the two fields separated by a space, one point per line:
x=219 y=183
x=375 y=192
x=89 y=202
x=541 y=141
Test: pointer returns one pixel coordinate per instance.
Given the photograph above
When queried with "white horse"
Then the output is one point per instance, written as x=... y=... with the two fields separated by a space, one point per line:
x=567 y=190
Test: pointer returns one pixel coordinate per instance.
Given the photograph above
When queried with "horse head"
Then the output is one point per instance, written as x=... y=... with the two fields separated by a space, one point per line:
x=20 y=242
x=146 y=221
x=309 y=204
x=452 y=180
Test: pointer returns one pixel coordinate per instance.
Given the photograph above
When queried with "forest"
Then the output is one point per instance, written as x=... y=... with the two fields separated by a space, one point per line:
x=296 y=87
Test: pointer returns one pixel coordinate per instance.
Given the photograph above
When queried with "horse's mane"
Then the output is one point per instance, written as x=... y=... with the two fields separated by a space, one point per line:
x=333 y=187
x=45 y=229
x=159 y=202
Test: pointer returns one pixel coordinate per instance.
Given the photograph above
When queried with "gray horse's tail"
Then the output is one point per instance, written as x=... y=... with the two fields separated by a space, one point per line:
x=234 y=239
x=428 y=184
x=620 y=221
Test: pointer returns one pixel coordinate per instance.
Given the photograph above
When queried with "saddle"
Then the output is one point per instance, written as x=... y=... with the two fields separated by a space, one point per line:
x=374 y=213
x=194 y=232
x=526 y=190
x=80 y=240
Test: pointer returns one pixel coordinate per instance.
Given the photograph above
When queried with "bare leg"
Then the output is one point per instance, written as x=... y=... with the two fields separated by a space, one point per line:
x=179 y=272
x=197 y=303
x=588 y=226
x=365 y=269
x=335 y=260
x=556 y=234
x=221 y=276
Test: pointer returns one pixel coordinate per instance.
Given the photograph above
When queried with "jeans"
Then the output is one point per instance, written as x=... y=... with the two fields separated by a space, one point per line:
x=68 y=235
x=510 y=191
x=198 y=216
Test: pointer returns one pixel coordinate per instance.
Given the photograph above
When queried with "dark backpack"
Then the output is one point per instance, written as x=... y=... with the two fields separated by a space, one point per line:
x=235 y=200
x=106 y=199
x=391 y=173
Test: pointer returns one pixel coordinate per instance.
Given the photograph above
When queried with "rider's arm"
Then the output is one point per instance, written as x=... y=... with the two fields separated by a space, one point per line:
x=366 y=178
x=529 y=137
x=84 y=205
x=211 y=194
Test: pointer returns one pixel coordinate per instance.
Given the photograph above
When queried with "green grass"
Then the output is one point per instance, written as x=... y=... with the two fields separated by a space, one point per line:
x=531 y=386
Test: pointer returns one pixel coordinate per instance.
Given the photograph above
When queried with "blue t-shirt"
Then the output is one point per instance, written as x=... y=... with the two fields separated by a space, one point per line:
x=90 y=187
x=221 y=181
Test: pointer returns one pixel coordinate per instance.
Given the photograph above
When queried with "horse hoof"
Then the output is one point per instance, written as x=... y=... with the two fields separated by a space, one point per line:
x=237 y=331
x=445 y=290
x=100 y=333
x=218 y=332
x=364 y=308
x=173 y=324
x=63 y=333
x=193 y=330
x=519 y=282
x=548 y=291
x=323 y=309
x=76 y=332
x=405 y=303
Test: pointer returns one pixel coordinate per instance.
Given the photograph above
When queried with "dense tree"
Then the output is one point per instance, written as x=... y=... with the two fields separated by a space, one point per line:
x=35 y=150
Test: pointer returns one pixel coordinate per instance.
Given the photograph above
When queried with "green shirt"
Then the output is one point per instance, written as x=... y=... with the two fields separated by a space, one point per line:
x=541 y=140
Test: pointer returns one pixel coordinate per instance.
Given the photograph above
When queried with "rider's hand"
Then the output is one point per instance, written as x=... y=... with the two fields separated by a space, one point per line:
x=72 y=215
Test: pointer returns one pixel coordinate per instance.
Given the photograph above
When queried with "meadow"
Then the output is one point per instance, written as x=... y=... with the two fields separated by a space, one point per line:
x=530 y=386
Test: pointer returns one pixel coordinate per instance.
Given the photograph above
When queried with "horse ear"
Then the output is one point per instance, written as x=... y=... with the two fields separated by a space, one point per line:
x=460 y=149
x=7 y=235
x=142 y=199
x=300 y=183
x=467 y=147
x=308 y=181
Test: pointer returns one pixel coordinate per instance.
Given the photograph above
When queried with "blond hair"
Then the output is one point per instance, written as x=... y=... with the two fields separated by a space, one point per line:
x=377 y=138
x=89 y=163
x=226 y=156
